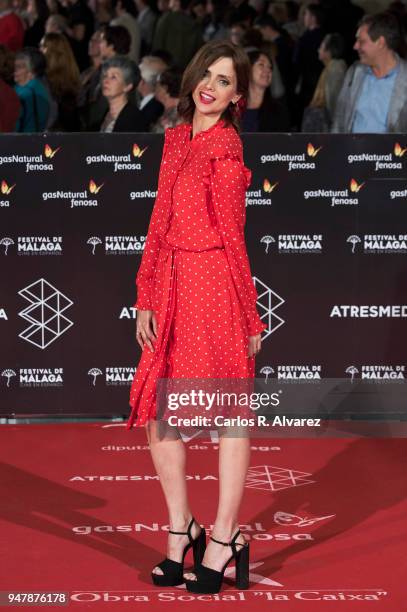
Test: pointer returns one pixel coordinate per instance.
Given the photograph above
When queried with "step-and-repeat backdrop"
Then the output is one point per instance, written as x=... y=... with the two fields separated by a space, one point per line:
x=326 y=233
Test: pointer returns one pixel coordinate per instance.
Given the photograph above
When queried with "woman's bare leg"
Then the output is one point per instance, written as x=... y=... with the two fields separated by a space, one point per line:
x=234 y=456
x=169 y=458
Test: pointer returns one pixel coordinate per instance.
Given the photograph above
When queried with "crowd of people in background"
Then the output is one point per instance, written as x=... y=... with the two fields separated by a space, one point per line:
x=117 y=65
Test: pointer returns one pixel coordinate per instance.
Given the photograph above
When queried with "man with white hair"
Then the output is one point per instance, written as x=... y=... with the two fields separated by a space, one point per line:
x=150 y=67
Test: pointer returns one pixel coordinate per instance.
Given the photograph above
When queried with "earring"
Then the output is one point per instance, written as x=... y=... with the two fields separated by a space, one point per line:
x=239 y=106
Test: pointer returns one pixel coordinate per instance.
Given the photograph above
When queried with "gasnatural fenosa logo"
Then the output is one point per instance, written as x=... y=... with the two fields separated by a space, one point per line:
x=33 y=162
x=297 y=161
x=119 y=162
x=76 y=198
x=384 y=161
x=337 y=197
x=255 y=196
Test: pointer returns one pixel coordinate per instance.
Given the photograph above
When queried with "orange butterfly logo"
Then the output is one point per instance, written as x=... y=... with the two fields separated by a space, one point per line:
x=355 y=187
x=48 y=152
x=5 y=188
x=268 y=187
x=93 y=188
x=312 y=151
x=137 y=152
x=398 y=150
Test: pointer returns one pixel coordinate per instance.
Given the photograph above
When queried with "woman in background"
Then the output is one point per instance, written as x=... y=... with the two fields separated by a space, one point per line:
x=263 y=113
x=120 y=76
x=29 y=70
x=37 y=13
x=167 y=92
x=9 y=100
x=64 y=80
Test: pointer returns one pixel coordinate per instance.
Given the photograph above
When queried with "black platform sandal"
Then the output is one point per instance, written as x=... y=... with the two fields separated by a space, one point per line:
x=209 y=580
x=173 y=570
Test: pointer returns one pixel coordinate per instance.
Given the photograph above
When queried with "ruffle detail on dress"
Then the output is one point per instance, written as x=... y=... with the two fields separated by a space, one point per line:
x=207 y=180
x=246 y=171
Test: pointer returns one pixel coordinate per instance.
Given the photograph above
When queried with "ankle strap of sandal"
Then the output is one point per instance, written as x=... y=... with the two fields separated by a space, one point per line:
x=232 y=543
x=188 y=532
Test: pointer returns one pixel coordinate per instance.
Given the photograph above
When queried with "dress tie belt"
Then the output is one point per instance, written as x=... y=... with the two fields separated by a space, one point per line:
x=143 y=403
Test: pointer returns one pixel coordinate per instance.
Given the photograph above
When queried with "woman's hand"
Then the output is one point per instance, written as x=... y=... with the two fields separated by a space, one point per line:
x=146 y=328
x=254 y=345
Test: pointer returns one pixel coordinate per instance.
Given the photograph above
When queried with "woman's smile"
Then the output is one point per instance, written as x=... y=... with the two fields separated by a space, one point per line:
x=206 y=98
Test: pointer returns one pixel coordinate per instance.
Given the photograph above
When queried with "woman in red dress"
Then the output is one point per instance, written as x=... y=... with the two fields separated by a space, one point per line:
x=196 y=304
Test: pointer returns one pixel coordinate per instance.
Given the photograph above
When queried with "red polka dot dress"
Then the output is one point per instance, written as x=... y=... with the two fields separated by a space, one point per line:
x=195 y=273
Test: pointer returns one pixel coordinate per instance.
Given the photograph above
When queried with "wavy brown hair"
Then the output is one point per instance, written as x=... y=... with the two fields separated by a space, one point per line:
x=194 y=72
x=62 y=70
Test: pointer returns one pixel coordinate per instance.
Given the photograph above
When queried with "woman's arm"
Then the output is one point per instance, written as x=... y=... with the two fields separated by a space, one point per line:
x=152 y=246
x=229 y=181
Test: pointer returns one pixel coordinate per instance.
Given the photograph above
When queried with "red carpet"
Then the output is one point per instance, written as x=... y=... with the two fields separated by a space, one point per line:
x=82 y=512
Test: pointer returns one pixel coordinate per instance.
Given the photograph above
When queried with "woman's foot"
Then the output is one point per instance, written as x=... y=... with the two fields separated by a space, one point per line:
x=217 y=555
x=176 y=543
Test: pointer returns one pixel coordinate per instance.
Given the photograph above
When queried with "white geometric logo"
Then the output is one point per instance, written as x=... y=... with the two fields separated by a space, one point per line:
x=268 y=301
x=272 y=478
x=44 y=313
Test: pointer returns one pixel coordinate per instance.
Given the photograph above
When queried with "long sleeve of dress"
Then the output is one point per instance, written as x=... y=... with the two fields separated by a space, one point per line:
x=229 y=180
x=152 y=246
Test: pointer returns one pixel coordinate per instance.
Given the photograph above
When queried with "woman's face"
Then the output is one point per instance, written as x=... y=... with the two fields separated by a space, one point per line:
x=217 y=88
x=162 y=5
x=199 y=10
x=113 y=84
x=94 y=44
x=262 y=72
x=236 y=34
x=31 y=6
x=323 y=54
x=19 y=5
x=43 y=46
x=21 y=72
x=160 y=93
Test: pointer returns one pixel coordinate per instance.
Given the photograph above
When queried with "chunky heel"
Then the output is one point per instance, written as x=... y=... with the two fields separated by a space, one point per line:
x=209 y=580
x=242 y=568
x=173 y=571
x=199 y=547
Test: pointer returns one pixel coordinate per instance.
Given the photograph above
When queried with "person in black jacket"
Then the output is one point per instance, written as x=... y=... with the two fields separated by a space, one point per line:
x=263 y=112
x=120 y=75
x=307 y=66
